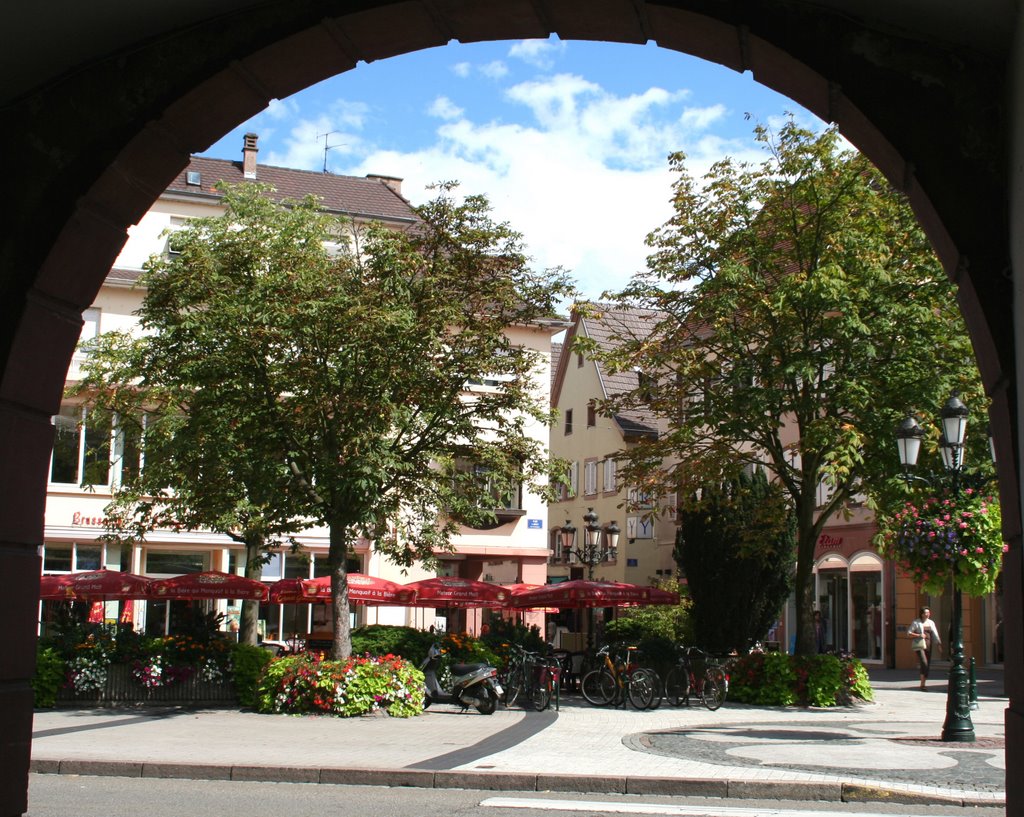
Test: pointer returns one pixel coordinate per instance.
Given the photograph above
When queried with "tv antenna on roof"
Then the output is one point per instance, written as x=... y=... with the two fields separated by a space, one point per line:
x=327 y=147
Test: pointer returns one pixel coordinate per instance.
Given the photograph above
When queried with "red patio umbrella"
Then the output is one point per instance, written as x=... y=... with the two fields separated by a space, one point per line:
x=362 y=589
x=445 y=591
x=107 y=585
x=54 y=588
x=210 y=584
x=583 y=593
x=516 y=589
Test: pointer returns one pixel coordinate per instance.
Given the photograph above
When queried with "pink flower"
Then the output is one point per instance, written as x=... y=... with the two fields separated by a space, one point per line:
x=1006 y=548
x=979 y=550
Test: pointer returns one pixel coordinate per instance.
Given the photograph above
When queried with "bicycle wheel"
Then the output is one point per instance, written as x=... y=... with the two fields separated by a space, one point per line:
x=712 y=695
x=541 y=697
x=677 y=686
x=642 y=688
x=514 y=686
x=598 y=687
x=659 y=689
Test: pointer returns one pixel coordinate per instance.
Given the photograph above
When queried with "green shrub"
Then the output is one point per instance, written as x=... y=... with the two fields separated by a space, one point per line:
x=382 y=639
x=49 y=677
x=356 y=686
x=248 y=662
x=777 y=679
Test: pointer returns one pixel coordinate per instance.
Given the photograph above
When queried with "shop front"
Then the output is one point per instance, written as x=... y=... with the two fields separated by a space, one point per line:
x=851 y=595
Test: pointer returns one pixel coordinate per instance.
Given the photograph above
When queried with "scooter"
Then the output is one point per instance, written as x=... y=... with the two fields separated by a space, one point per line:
x=472 y=684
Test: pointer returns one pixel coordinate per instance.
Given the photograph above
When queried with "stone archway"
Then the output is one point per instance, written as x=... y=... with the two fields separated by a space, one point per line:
x=93 y=148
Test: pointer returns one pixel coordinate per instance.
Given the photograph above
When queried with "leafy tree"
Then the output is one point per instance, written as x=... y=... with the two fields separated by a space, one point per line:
x=800 y=313
x=367 y=373
x=736 y=545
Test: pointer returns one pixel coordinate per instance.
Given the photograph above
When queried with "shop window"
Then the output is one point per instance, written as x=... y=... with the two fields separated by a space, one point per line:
x=273 y=569
x=57 y=559
x=175 y=563
x=296 y=566
x=88 y=557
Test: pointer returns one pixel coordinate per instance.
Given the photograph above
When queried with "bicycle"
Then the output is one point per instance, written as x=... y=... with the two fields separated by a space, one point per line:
x=532 y=677
x=620 y=678
x=682 y=680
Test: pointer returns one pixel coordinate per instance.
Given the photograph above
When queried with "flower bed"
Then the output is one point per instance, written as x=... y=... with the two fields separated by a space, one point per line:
x=306 y=684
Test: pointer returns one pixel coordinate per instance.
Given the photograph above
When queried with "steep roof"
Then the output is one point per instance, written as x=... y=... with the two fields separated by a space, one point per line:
x=556 y=358
x=606 y=327
x=369 y=197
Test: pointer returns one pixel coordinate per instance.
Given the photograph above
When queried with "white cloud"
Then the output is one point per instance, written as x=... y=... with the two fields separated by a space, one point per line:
x=305 y=143
x=538 y=53
x=495 y=69
x=443 y=108
x=462 y=69
x=282 y=108
x=580 y=171
x=702 y=118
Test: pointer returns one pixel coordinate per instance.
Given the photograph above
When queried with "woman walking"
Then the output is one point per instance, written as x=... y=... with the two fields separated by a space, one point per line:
x=925 y=635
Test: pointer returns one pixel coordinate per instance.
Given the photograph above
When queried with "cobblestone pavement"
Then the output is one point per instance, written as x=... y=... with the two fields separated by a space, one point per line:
x=890 y=746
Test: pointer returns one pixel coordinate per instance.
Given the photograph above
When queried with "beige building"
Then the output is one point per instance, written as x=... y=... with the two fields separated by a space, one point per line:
x=865 y=601
x=79 y=484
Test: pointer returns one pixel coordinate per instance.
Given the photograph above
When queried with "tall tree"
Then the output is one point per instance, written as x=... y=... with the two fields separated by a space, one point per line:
x=735 y=544
x=368 y=371
x=803 y=312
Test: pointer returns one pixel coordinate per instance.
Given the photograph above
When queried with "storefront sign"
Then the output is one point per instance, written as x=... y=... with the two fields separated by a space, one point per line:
x=80 y=520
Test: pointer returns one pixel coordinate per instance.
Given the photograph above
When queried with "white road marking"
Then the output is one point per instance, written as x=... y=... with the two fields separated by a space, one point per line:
x=614 y=807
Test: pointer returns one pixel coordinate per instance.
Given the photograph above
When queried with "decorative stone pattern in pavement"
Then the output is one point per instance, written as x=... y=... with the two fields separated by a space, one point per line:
x=865 y=752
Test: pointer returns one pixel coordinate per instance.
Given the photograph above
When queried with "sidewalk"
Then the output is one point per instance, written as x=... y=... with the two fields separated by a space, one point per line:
x=888 y=750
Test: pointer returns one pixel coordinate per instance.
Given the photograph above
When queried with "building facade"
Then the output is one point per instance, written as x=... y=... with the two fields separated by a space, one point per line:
x=87 y=461
x=866 y=602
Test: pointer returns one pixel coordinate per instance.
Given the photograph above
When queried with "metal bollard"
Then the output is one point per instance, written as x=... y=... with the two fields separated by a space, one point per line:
x=973 y=694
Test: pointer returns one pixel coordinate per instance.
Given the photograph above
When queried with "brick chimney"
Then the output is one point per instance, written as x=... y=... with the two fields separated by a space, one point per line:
x=391 y=181
x=249 y=151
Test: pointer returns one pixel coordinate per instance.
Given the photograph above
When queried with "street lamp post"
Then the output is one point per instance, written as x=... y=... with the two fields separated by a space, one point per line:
x=599 y=544
x=957 y=727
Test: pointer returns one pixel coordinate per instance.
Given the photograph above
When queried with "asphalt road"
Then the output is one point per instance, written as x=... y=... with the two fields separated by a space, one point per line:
x=62 y=795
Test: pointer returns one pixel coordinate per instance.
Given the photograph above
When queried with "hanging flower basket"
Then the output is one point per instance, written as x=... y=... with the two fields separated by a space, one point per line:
x=944 y=537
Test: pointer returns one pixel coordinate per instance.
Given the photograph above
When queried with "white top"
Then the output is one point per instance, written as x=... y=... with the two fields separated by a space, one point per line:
x=919 y=627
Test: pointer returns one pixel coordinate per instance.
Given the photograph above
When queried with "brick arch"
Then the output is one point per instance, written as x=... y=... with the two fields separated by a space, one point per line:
x=90 y=192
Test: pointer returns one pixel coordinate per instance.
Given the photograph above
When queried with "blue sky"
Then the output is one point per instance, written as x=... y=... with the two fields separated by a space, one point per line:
x=568 y=140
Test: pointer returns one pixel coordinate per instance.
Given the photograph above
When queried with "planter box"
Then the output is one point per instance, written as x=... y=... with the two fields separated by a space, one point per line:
x=122 y=689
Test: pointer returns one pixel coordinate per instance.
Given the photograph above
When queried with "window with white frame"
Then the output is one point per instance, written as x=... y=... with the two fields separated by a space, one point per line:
x=68 y=557
x=87 y=451
x=574 y=479
x=590 y=477
x=81 y=450
x=609 y=476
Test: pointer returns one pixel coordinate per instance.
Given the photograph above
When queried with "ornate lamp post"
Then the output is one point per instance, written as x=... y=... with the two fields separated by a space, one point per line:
x=599 y=544
x=957 y=727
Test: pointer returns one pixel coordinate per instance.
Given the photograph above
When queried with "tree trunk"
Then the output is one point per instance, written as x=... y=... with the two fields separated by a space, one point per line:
x=247 y=633
x=803 y=589
x=341 y=645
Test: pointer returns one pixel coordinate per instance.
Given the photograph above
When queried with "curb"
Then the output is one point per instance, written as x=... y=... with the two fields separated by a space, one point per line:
x=511 y=781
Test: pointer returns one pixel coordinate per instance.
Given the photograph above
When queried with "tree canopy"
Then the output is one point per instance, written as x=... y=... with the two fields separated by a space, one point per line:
x=736 y=545
x=363 y=377
x=800 y=312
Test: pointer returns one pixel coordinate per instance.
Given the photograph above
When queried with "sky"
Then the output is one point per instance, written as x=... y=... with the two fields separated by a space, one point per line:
x=568 y=140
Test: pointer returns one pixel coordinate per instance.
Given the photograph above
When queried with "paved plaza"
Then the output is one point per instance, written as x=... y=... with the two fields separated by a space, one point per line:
x=886 y=750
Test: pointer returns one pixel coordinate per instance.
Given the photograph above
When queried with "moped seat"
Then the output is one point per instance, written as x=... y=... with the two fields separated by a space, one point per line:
x=466 y=669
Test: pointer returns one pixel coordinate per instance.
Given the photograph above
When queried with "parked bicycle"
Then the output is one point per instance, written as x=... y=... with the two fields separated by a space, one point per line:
x=532 y=678
x=620 y=678
x=697 y=673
